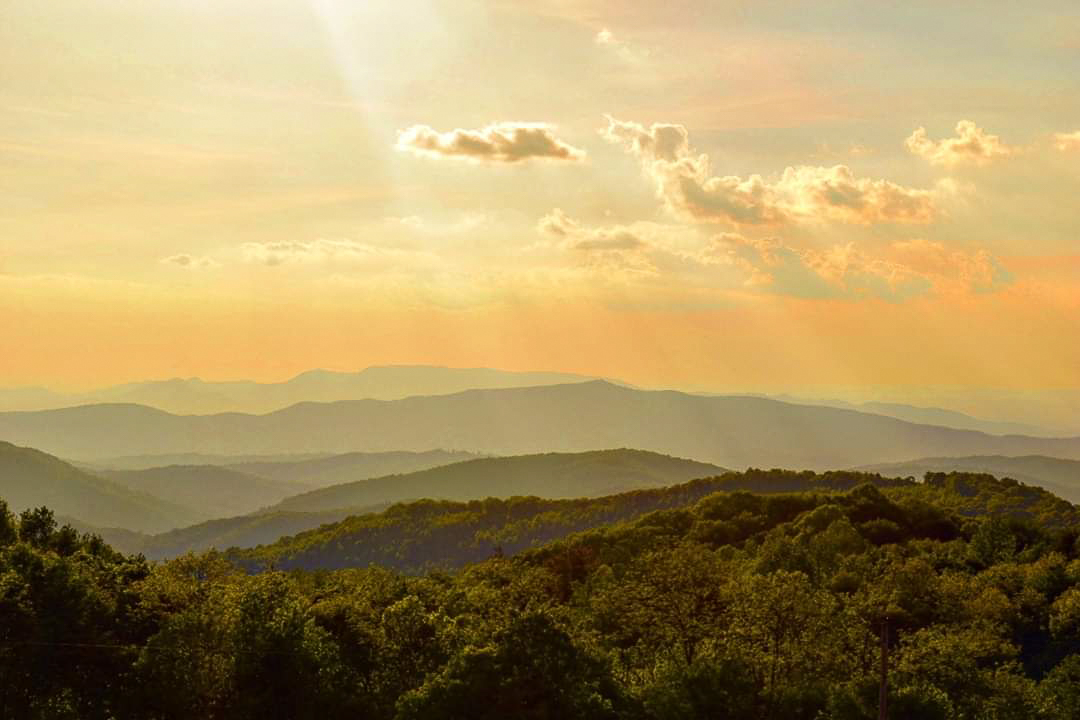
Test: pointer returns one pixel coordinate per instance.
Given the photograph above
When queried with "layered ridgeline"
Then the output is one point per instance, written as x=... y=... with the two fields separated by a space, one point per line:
x=30 y=478
x=244 y=531
x=433 y=535
x=208 y=505
x=349 y=467
x=186 y=396
x=550 y=475
x=214 y=491
x=1061 y=477
x=751 y=605
x=728 y=431
x=242 y=488
x=929 y=416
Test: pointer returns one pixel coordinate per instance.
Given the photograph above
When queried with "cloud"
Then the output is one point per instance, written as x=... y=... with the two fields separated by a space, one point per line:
x=190 y=262
x=625 y=50
x=322 y=250
x=905 y=269
x=771 y=265
x=971 y=145
x=1066 y=142
x=684 y=182
x=953 y=270
x=570 y=234
x=616 y=254
x=508 y=142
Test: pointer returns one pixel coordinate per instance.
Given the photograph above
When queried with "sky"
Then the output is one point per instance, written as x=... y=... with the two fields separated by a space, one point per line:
x=878 y=198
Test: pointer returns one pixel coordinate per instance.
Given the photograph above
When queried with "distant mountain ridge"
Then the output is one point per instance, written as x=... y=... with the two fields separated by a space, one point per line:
x=928 y=416
x=731 y=431
x=208 y=489
x=350 y=467
x=194 y=396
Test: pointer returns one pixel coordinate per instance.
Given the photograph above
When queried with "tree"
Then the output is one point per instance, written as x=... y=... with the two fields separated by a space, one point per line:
x=531 y=671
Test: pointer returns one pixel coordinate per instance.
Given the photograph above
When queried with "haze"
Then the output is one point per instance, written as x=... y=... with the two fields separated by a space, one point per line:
x=873 y=202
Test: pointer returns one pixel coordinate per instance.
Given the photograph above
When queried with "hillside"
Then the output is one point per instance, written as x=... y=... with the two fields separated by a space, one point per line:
x=727 y=431
x=30 y=478
x=245 y=531
x=193 y=396
x=551 y=475
x=429 y=535
x=440 y=534
x=210 y=490
x=1061 y=477
x=664 y=604
x=348 y=467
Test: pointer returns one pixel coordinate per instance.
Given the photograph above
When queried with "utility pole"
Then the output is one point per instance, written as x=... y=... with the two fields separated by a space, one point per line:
x=883 y=689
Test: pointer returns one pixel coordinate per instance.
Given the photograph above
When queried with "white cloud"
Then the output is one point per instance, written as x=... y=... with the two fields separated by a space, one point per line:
x=685 y=183
x=971 y=145
x=508 y=142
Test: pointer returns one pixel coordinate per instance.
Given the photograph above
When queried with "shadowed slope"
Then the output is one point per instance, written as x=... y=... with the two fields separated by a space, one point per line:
x=30 y=478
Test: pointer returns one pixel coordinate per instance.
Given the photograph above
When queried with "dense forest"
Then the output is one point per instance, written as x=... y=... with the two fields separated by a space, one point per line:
x=717 y=602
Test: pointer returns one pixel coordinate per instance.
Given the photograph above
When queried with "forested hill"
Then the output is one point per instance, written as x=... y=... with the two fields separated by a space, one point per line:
x=426 y=535
x=243 y=531
x=548 y=475
x=765 y=605
x=1061 y=477
x=732 y=432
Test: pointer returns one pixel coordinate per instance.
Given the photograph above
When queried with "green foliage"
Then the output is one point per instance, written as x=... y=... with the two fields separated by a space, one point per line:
x=717 y=598
x=532 y=670
x=439 y=535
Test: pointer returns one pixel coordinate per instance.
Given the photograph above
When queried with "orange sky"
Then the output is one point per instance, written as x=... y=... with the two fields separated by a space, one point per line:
x=702 y=195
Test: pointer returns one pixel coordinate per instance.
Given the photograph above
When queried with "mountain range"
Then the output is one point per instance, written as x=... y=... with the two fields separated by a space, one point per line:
x=193 y=396
x=731 y=431
x=929 y=416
